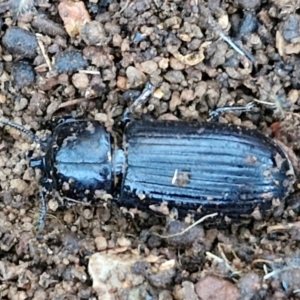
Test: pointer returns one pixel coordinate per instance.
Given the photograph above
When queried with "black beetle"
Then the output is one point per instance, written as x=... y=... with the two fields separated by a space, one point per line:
x=197 y=168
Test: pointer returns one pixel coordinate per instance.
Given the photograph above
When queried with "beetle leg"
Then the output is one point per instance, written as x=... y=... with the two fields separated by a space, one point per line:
x=215 y=114
x=43 y=210
x=142 y=99
x=144 y=96
x=126 y=116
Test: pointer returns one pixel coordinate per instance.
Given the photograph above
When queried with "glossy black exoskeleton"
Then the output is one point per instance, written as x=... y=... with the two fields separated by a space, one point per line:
x=204 y=168
x=197 y=168
x=78 y=160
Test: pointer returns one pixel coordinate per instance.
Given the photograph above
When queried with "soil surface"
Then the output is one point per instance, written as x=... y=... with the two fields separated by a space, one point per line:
x=92 y=59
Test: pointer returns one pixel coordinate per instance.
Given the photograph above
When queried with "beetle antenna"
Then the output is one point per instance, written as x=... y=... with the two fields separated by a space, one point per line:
x=22 y=129
x=43 y=210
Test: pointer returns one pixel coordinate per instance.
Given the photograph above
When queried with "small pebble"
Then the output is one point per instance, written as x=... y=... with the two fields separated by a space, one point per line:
x=162 y=279
x=123 y=242
x=175 y=101
x=187 y=95
x=135 y=77
x=40 y=294
x=53 y=205
x=2 y=98
x=101 y=243
x=174 y=76
x=87 y=214
x=148 y=67
x=173 y=22
x=93 y=33
x=175 y=64
x=121 y=82
x=163 y=63
x=291 y=28
x=63 y=79
x=117 y=40
x=249 y=24
x=188 y=291
x=212 y=287
x=101 y=117
x=19 y=185
x=20 y=105
x=68 y=218
x=7 y=58
x=80 y=81
x=194 y=45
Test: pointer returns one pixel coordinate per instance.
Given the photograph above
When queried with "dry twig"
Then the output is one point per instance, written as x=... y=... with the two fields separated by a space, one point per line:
x=213 y=25
x=186 y=229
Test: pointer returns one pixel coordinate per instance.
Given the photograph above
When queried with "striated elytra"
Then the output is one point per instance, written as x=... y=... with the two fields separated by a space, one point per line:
x=204 y=168
x=197 y=168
